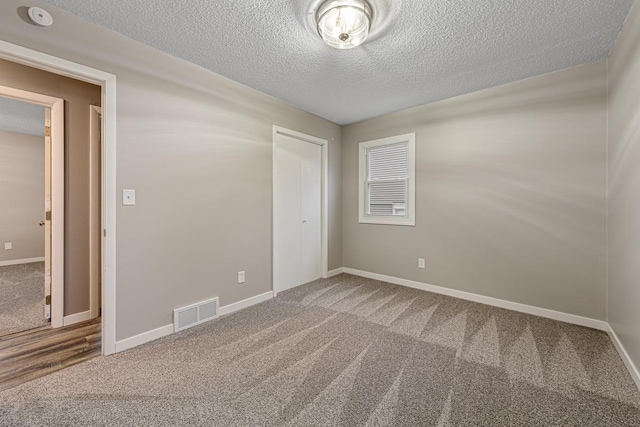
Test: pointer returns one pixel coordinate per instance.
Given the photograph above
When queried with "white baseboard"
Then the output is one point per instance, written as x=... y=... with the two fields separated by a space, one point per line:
x=143 y=338
x=537 y=311
x=21 y=261
x=227 y=309
x=162 y=331
x=631 y=367
x=334 y=272
x=523 y=308
x=77 y=318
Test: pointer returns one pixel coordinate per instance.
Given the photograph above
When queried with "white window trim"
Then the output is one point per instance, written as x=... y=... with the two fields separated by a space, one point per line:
x=410 y=219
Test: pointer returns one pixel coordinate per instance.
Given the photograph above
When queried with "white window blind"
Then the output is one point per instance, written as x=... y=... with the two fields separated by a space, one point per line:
x=387 y=181
x=388 y=173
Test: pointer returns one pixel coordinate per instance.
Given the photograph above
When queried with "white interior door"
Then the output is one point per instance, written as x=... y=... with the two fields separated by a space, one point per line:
x=310 y=209
x=297 y=212
x=286 y=213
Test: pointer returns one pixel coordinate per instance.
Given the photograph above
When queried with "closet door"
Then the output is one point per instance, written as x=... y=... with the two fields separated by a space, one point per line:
x=297 y=212
x=310 y=209
x=286 y=212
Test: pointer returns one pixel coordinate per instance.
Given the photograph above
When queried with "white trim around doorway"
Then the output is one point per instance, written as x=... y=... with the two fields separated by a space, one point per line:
x=107 y=81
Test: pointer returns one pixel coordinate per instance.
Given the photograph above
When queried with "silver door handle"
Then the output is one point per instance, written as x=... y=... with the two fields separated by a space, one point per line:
x=41 y=223
x=304 y=221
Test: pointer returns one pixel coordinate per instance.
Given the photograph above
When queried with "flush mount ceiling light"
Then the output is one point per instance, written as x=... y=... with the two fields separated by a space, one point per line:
x=344 y=24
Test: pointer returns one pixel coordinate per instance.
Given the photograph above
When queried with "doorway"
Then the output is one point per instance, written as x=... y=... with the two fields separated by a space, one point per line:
x=31 y=188
x=299 y=208
x=107 y=82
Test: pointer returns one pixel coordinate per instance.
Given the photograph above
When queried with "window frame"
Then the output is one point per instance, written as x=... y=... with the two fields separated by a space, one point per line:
x=409 y=219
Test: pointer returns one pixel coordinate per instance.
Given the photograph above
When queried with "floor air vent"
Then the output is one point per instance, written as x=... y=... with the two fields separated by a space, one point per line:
x=195 y=314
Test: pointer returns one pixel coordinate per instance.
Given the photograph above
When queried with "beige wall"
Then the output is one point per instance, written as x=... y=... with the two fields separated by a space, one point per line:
x=197 y=149
x=624 y=187
x=78 y=97
x=510 y=186
x=21 y=195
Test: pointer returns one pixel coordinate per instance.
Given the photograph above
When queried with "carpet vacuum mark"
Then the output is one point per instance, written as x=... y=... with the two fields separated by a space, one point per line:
x=347 y=351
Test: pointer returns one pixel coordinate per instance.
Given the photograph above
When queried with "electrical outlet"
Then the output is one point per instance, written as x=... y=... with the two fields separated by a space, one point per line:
x=240 y=276
x=421 y=263
x=8 y=246
x=128 y=197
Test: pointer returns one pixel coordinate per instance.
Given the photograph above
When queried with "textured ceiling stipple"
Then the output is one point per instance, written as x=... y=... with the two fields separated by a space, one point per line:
x=21 y=117
x=418 y=51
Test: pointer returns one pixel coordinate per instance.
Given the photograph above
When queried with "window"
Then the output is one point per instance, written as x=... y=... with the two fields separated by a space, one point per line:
x=387 y=181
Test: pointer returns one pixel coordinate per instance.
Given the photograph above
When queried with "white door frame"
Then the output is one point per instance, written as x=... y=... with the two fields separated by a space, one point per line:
x=324 y=212
x=57 y=194
x=107 y=81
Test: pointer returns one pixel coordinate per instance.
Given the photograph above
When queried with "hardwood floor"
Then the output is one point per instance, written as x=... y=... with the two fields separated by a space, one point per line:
x=31 y=354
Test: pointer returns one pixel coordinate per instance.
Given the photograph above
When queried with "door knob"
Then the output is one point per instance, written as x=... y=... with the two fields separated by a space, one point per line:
x=41 y=223
x=304 y=221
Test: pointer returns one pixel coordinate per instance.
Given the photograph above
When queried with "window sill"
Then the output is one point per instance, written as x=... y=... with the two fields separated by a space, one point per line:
x=387 y=221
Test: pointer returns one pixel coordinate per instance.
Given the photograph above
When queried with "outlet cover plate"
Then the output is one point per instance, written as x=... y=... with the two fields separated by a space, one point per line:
x=128 y=197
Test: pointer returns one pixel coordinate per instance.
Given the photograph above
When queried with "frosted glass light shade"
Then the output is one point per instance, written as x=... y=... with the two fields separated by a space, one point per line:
x=344 y=24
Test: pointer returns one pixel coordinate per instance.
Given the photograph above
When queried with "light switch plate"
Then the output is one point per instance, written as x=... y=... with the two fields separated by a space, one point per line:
x=421 y=263
x=240 y=276
x=8 y=246
x=128 y=197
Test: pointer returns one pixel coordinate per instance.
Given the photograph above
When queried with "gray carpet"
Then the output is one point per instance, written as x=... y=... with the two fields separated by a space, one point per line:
x=347 y=351
x=21 y=297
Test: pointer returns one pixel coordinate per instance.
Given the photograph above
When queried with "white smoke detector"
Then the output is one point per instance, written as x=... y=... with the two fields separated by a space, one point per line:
x=39 y=16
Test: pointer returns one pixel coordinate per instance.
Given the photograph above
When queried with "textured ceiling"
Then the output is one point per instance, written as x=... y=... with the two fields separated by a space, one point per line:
x=21 y=117
x=418 y=51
